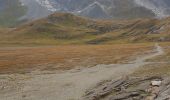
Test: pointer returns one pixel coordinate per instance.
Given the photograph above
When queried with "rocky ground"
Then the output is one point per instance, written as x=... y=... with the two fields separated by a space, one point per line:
x=132 y=88
x=151 y=82
x=103 y=81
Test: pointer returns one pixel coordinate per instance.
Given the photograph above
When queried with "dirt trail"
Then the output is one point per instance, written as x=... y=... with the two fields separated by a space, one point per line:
x=70 y=85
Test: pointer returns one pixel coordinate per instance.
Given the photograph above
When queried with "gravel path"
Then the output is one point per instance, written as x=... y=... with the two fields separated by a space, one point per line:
x=69 y=85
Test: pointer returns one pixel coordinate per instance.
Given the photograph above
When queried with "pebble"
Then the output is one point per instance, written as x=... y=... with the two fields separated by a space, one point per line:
x=156 y=83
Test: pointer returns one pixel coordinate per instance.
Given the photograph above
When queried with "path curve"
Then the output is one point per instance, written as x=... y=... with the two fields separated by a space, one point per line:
x=71 y=85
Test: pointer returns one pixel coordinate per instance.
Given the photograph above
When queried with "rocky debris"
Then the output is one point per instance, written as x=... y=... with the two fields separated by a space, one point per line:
x=132 y=88
x=7 y=86
x=123 y=96
x=164 y=93
x=153 y=92
x=154 y=89
x=104 y=89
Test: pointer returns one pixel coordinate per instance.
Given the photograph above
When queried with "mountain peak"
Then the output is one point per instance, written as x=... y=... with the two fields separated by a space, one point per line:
x=102 y=9
x=107 y=8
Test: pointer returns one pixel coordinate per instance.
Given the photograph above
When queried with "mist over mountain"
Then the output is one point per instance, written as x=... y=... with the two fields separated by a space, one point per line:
x=101 y=9
x=10 y=12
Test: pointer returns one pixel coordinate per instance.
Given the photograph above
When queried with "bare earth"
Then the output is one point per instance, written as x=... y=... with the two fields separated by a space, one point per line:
x=67 y=85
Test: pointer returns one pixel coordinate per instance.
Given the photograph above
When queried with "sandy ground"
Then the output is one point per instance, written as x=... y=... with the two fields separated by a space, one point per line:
x=67 y=85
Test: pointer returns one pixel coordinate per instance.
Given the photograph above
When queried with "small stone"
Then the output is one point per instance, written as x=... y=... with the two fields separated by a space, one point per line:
x=156 y=83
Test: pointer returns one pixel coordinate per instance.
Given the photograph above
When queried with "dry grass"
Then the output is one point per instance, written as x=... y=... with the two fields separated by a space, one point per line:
x=161 y=67
x=25 y=59
x=153 y=70
x=63 y=28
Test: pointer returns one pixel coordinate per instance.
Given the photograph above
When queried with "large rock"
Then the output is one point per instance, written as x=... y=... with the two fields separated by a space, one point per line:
x=156 y=83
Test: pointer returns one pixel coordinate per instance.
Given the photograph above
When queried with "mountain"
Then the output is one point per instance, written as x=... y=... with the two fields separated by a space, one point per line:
x=10 y=12
x=103 y=8
x=16 y=11
x=65 y=28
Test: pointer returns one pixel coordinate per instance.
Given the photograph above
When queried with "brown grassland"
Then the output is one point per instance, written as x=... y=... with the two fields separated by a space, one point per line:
x=26 y=59
x=32 y=45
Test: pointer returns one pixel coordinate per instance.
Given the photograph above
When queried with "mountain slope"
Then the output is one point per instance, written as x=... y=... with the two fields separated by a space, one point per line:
x=10 y=12
x=64 y=28
x=104 y=8
x=16 y=11
x=57 y=27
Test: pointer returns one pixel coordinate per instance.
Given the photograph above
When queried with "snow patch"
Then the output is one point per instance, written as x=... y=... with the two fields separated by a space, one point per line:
x=159 y=11
x=91 y=5
x=47 y=4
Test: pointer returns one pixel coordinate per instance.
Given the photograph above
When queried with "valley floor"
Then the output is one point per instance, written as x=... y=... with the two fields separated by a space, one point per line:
x=73 y=72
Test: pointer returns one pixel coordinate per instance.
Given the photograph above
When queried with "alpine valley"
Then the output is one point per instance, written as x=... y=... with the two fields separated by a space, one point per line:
x=84 y=49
